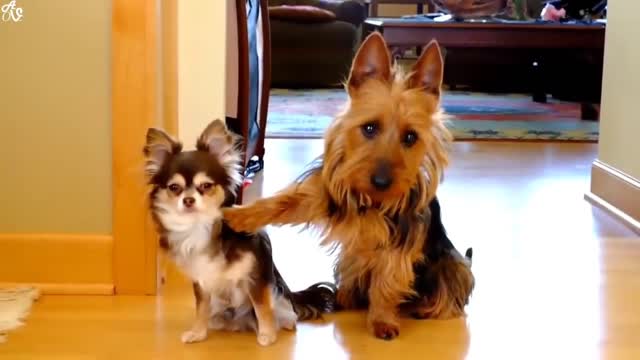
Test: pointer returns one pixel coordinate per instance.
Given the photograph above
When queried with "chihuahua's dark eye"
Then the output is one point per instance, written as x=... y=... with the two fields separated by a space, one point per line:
x=410 y=138
x=206 y=186
x=175 y=188
x=369 y=130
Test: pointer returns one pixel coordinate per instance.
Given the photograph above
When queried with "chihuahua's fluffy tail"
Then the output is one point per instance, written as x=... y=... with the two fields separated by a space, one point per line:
x=311 y=302
x=315 y=300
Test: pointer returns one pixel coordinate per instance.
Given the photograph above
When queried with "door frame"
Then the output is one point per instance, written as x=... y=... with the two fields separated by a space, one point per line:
x=144 y=94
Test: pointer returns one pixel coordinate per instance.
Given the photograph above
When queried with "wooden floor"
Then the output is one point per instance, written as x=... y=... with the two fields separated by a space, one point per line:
x=556 y=278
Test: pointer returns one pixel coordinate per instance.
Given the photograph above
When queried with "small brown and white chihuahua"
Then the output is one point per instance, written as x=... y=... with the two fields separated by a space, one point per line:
x=236 y=285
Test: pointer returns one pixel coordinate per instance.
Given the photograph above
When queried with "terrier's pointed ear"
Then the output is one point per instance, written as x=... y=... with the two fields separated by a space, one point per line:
x=158 y=148
x=372 y=61
x=428 y=70
x=217 y=139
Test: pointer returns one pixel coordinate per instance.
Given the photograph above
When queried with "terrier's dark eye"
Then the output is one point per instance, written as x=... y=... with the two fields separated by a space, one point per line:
x=206 y=186
x=369 y=130
x=410 y=138
x=175 y=188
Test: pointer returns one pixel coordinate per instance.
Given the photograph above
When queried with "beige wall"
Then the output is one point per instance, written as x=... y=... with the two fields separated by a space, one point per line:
x=620 y=124
x=55 y=127
x=201 y=65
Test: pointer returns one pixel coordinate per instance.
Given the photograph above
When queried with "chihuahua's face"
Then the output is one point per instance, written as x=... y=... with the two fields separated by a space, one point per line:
x=190 y=187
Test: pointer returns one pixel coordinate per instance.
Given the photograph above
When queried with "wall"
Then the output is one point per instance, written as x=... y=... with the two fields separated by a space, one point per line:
x=620 y=126
x=55 y=129
x=55 y=140
x=201 y=66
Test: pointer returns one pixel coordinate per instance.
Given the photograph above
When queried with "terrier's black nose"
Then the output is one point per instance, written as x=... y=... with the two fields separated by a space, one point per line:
x=381 y=178
x=188 y=201
x=380 y=182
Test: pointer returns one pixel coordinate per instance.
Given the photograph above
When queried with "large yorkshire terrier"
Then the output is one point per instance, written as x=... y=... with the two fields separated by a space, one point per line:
x=372 y=195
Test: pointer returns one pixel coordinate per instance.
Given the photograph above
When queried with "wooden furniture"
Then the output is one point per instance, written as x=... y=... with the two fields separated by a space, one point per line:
x=402 y=33
x=473 y=9
x=541 y=58
x=249 y=78
x=373 y=5
x=372 y=8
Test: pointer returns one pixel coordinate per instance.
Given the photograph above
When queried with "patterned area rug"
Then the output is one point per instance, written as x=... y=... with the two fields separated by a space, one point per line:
x=307 y=113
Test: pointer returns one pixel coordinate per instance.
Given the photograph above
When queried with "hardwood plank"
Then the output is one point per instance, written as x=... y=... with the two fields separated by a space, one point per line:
x=64 y=288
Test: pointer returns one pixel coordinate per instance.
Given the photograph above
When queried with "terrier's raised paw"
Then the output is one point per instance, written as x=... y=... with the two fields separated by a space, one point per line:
x=235 y=218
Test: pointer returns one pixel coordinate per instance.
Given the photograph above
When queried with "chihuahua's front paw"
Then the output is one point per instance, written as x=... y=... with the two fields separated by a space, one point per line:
x=289 y=324
x=192 y=336
x=266 y=338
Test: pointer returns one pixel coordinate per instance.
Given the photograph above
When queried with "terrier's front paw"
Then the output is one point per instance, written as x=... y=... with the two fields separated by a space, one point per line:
x=266 y=339
x=192 y=336
x=385 y=331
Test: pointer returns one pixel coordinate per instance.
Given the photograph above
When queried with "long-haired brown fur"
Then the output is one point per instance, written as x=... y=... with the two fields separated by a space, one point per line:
x=372 y=194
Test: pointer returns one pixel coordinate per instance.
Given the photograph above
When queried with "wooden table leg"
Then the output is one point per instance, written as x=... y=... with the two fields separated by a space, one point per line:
x=538 y=80
x=589 y=112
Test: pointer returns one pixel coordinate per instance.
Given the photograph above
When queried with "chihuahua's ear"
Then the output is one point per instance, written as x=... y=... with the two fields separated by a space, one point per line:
x=158 y=148
x=428 y=70
x=372 y=61
x=218 y=140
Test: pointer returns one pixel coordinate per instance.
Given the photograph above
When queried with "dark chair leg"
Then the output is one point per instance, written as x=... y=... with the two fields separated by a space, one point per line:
x=589 y=112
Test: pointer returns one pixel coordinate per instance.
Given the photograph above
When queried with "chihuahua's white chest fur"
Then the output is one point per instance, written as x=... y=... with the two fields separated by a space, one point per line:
x=213 y=273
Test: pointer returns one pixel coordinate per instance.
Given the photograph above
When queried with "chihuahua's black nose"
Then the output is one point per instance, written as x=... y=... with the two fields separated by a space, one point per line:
x=381 y=178
x=188 y=201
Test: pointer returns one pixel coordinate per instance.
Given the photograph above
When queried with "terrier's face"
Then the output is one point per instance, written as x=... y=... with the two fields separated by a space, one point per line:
x=391 y=128
x=190 y=187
